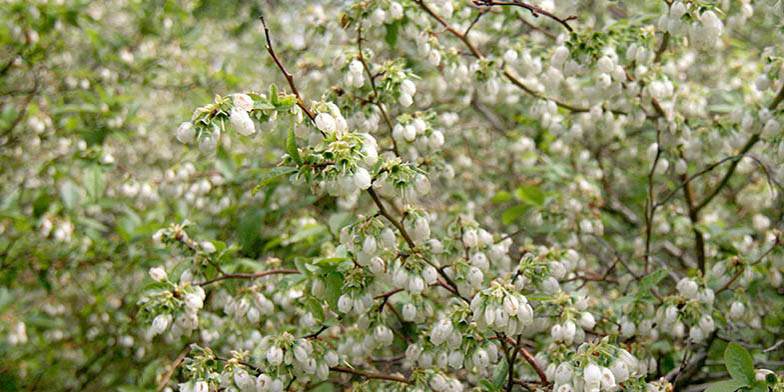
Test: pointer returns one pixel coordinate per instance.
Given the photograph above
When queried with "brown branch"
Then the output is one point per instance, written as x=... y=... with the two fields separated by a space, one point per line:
x=478 y=16
x=749 y=144
x=662 y=47
x=402 y=229
x=535 y=11
x=451 y=29
x=317 y=333
x=755 y=262
x=530 y=358
x=248 y=276
x=378 y=376
x=174 y=367
x=694 y=216
x=510 y=383
x=289 y=77
x=650 y=206
x=508 y=74
x=537 y=28
x=694 y=176
x=385 y=297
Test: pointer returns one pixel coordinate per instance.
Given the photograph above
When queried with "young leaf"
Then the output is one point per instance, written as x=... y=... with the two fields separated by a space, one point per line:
x=513 y=213
x=273 y=92
x=291 y=146
x=500 y=372
x=531 y=194
x=94 y=183
x=650 y=280
x=501 y=197
x=333 y=284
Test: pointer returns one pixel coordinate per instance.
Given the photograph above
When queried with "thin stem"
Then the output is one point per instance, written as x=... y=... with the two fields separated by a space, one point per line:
x=530 y=359
x=749 y=144
x=507 y=73
x=248 y=276
x=662 y=47
x=535 y=11
x=694 y=216
x=755 y=262
x=650 y=206
x=174 y=367
x=478 y=16
x=510 y=383
x=708 y=169
x=378 y=376
x=289 y=77
x=403 y=232
x=317 y=333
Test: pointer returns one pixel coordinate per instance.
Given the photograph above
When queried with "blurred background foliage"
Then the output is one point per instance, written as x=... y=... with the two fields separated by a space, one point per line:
x=90 y=93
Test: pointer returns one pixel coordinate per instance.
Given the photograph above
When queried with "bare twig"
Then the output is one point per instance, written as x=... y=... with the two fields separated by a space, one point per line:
x=650 y=205
x=248 y=276
x=510 y=382
x=174 y=367
x=448 y=283
x=530 y=359
x=478 y=16
x=662 y=47
x=507 y=73
x=289 y=77
x=694 y=216
x=749 y=144
x=535 y=11
x=378 y=376
x=774 y=347
x=755 y=262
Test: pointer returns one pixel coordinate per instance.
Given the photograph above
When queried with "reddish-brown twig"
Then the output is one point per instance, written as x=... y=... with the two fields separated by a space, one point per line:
x=535 y=11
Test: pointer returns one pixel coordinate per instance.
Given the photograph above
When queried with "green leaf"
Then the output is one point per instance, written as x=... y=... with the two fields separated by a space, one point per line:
x=649 y=281
x=513 y=213
x=287 y=101
x=307 y=233
x=302 y=265
x=333 y=288
x=539 y=297
x=291 y=146
x=758 y=387
x=391 y=33
x=500 y=373
x=271 y=175
x=263 y=105
x=531 y=194
x=273 y=92
x=488 y=386
x=94 y=182
x=501 y=197
x=70 y=194
x=331 y=261
x=739 y=363
x=324 y=387
x=314 y=307
x=338 y=220
x=725 y=386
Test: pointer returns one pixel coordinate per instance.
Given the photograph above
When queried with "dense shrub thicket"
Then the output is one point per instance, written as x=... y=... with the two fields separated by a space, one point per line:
x=391 y=195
